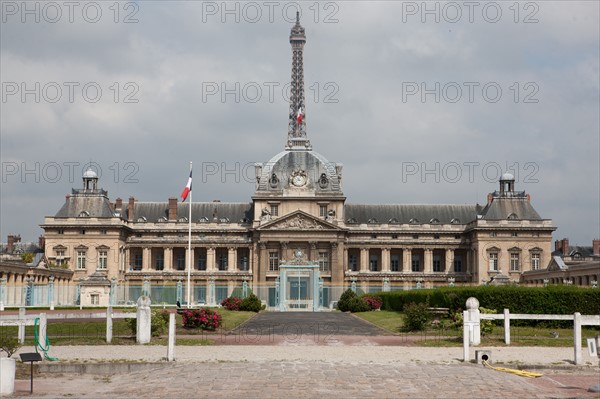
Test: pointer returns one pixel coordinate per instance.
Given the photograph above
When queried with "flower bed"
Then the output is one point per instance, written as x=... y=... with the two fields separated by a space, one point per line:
x=204 y=318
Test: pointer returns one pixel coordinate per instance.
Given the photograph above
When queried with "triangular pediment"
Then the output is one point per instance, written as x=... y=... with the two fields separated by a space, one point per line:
x=298 y=220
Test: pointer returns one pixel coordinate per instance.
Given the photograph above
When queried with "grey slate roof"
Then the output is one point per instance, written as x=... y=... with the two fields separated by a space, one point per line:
x=97 y=206
x=420 y=214
x=233 y=212
x=501 y=208
x=584 y=251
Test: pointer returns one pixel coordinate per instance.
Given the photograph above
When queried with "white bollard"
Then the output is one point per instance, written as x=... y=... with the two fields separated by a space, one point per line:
x=143 y=330
x=474 y=318
x=42 y=330
x=506 y=327
x=109 y=325
x=577 y=336
x=22 y=325
x=171 y=344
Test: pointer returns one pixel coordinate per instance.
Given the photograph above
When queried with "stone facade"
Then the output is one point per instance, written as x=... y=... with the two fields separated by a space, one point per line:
x=298 y=203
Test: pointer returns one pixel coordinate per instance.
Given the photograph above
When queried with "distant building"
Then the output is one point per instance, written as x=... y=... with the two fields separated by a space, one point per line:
x=578 y=265
x=297 y=216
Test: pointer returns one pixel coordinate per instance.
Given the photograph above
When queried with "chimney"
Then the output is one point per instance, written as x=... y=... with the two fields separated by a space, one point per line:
x=173 y=209
x=528 y=197
x=118 y=204
x=130 y=210
x=596 y=246
x=42 y=242
x=10 y=244
x=490 y=198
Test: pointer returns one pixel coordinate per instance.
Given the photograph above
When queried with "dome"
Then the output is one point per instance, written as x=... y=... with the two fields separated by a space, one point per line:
x=90 y=174
x=507 y=176
x=300 y=170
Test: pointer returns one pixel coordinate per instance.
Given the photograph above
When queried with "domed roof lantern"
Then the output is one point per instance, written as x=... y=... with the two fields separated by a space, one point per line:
x=507 y=183
x=90 y=180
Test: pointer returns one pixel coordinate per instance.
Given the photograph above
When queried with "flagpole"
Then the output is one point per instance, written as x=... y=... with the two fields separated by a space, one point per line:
x=189 y=260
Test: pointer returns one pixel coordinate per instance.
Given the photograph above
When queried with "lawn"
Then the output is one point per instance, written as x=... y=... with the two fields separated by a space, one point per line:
x=93 y=332
x=386 y=319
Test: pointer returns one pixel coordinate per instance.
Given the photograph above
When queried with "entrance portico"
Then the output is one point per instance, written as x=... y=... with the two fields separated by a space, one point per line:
x=299 y=286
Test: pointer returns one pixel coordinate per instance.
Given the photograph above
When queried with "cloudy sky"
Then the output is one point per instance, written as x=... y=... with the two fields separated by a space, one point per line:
x=421 y=102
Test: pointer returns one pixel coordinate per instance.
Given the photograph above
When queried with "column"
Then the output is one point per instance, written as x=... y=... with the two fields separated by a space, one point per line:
x=313 y=255
x=337 y=267
x=449 y=261
x=263 y=262
x=211 y=255
x=146 y=258
x=427 y=262
x=364 y=259
x=407 y=260
x=127 y=259
x=283 y=251
x=18 y=289
x=168 y=258
x=251 y=262
x=385 y=259
x=232 y=259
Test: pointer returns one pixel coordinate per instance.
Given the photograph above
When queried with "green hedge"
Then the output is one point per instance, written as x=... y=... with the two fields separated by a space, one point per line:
x=528 y=300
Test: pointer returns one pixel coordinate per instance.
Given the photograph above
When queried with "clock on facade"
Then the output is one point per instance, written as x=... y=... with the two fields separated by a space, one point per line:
x=299 y=178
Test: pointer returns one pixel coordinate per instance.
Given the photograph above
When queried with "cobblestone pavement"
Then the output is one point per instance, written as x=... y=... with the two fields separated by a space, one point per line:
x=303 y=379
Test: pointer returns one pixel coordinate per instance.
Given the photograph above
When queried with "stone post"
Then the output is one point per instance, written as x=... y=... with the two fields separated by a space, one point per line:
x=43 y=329
x=21 y=332
x=143 y=318
x=112 y=296
x=473 y=318
x=211 y=294
x=171 y=342
x=109 y=325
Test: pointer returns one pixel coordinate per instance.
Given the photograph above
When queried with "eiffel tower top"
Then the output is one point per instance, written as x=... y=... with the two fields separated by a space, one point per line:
x=297 y=138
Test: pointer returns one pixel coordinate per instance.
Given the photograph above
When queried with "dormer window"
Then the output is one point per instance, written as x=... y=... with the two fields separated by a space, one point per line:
x=455 y=221
x=351 y=221
x=413 y=221
x=84 y=214
x=372 y=221
x=141 y=219
x=393 y=221
x=203 y=219
x=162 y=219
x=512 y=216
x=183 y=220
x=434 y=221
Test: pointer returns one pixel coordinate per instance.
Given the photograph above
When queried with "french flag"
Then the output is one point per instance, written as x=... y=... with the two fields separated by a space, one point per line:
x=187 y=189
x=299 y=116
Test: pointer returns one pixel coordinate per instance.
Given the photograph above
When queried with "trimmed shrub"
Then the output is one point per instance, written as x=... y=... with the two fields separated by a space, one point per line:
x=251 y=304
x=415 y=316
x=238 y=292
x=344 y=301
x=373 y=301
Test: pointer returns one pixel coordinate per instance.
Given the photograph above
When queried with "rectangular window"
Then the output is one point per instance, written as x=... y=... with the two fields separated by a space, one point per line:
x=137 y=261
x=324 y=261
x=457 y=263
x=95 y=299
x=102 y=260
x=493 y=261
x=416 y=263
x=244 y=263
x=274 y=210
x=373 y=263
x=202 y=262
x=395 y=263
x=353 y=263
x=273 y=261
x=535 y=261
x=61 y=231
x=493 y=234
x=222 y=262
x=515 y=234
x=180 y=261
x=437 y=263
x=103 y=231
x=514 y=262
x=80 y=260
x=323 y=211
x=60 y=257
x=160 y=262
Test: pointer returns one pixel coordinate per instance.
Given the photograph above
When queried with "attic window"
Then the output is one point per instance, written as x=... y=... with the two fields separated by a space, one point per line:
x=351 y=221
x=512 y=216
x=455 y=221
x=372 y=221
x=434 y=221
x=142 y=219
x=183 y=220
x=162 y=219
x=413 y=221
x=393 y=221
x=84 y=214
x=203 y=219
x=224 y=220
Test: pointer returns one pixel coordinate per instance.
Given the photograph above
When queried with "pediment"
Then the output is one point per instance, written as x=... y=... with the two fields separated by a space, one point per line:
x=298 y=220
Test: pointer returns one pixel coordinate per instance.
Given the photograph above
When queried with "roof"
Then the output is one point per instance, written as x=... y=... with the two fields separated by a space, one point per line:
x=224 y=212
x=93 y=205
x=416 y=214
x=583 y=251
x=510 y=208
